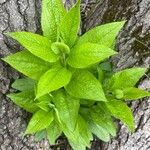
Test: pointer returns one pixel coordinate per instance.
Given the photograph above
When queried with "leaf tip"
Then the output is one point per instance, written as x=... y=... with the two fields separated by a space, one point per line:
x=141 y=69
x=9 y=96
x=132 y=129
x=10 y=34
x=38 y=95
x=144 y=69
x=2 y=59
x=28 y=131
x=120 y=24
x=77 y=2
x=25 y=133
x=114 y=53
x=7 y=33
x=104 y=99
x=123 y=22
x=6 y=59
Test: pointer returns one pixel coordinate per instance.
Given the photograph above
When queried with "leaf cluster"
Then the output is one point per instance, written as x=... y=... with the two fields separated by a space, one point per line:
x=69 y=85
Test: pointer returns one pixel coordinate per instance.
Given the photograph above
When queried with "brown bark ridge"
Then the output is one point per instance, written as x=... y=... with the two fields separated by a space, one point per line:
x=133 y=44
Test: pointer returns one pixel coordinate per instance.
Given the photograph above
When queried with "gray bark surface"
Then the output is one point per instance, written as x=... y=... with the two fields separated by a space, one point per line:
x=133 y=45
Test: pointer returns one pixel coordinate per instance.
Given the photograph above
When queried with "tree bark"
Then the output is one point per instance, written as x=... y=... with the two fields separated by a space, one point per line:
x=133 y=45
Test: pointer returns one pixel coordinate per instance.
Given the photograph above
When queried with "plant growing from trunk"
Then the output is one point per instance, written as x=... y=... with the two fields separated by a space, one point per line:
x=69 y=86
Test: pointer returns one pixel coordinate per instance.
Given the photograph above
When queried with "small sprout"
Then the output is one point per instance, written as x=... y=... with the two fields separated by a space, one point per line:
x=118 y=94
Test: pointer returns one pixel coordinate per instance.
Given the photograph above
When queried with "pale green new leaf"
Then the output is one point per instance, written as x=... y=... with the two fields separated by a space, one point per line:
x=39 y=121
x=28 y=64
x=38 y=45
x=24 y=84
x=67 y=108
x=118 y=93
x=53 y=79
x=121 y=111
x=126 y=78
x=84 y=85
x=44 y=105
x=132 y=93
x=44 y=102
x=53 y=132
x=60 y=48
x=104 y=34
x=70 y=24
x=52 y=13
x=24 y=100
x=87 y=54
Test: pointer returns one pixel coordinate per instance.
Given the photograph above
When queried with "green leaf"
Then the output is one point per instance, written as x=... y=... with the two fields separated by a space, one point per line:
x=60 y=48
x=67 y=108
x=126 y=78
x=77 y=146
x=39 y=121
x=99 y=131
x=118 y=94
x=104 y=34
x=52 y=13
x=40 y=135
x=24 y=84
x=53 y=132
x=24 y=100
x=53 y=79
x=84 y=85
x=86 y=103
x=44 y=105
x=45 y=98
x=81 y=135
x=99 y=121
x=44 y=102
x=70 y=25
x=94 y=127
x=134 y=93
x=57 y=116
x=121 y=111
x=84 y=132
x=28 y=64
x=38 y=45
x=106 y=66
x=87 y=54
x=101 y=116
x=100 y=74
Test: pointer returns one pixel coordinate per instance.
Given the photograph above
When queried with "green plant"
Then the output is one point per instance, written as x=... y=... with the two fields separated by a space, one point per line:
x=70 y=86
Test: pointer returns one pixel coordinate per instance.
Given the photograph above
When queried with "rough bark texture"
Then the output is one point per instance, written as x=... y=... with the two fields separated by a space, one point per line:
x=133 y=44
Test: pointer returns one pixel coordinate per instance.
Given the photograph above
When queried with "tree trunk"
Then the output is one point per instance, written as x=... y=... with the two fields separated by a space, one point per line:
x=133 y=44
